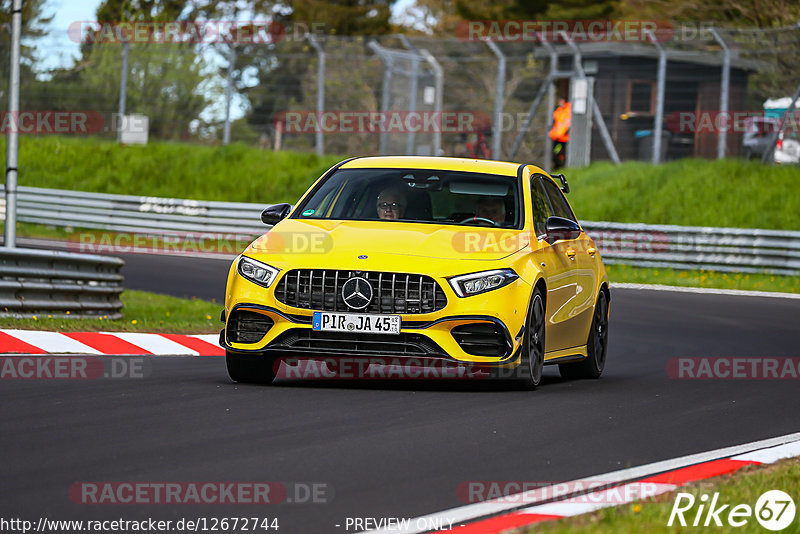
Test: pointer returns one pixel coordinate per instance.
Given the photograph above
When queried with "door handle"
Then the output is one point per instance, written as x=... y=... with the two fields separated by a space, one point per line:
x=591 y=251
x=571 y=253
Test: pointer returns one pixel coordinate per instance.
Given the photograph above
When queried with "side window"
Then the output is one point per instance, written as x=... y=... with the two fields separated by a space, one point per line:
x=541 y=207
x=560 y=206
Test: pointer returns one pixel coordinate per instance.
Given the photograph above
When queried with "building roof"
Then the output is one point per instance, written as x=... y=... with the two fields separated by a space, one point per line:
x=609 y=49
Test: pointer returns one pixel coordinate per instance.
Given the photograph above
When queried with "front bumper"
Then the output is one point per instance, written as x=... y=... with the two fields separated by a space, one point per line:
x=481 y=329
x=452 y=339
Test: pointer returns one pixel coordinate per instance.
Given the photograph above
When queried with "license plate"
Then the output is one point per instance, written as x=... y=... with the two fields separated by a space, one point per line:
x=362 y=323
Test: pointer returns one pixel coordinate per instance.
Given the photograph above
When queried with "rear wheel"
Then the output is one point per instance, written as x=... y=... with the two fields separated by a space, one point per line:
x=250 y=368
x=533 y=343
x=596 y=345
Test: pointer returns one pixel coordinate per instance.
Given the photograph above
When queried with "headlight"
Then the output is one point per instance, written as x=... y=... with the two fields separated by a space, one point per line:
x=255 y=271
x=467 y=285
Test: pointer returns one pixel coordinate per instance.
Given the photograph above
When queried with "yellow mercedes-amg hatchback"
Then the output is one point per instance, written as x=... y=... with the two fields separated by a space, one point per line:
x=460 y=262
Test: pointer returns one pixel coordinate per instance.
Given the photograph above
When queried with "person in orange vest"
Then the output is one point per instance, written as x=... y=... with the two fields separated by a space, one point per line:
x=559 y=133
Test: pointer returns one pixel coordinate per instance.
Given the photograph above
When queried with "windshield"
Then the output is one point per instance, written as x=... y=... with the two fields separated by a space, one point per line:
x=416 y=195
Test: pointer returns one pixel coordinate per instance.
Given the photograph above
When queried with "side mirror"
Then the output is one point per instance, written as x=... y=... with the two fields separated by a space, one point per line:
x=564 y=184
x=274 y=214
x=559 y=228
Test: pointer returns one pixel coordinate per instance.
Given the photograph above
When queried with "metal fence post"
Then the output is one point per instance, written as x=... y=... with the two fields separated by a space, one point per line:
x=662 y=78
x=226 y=132
x=123 y=89
x=386 y=88
x=529 y=118
x=438 y=73
x=499 y=86
x=386 y=100
x=320 y=91
x=12 y=147
x=551 y=105
x=412 y=102
x=412 y=97
x=546 y=86
x=598 y=117
x=724 y=92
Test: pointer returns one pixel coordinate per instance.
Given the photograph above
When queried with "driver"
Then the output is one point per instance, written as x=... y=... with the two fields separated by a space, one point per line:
x=492 y=208
x=391 y=203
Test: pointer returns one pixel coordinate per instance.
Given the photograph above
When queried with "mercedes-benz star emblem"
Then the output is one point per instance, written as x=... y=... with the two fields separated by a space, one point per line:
x=357 y=293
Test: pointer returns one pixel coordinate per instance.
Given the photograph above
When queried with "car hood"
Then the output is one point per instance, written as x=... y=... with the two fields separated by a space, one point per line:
x=304 y=241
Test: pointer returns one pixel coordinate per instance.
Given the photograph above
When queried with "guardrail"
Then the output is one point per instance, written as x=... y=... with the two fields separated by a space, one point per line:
x=127 y=213
x=59 y=283
x=743 y=250
x=642 y=245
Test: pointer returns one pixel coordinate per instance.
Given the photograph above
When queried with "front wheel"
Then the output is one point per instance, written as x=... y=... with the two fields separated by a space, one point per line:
x=250 y=368
x=596 y=345
x=533 y=343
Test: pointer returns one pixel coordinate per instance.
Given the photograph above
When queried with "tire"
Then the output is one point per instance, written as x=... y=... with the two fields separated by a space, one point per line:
x=249 y=368
x=533 y=343
x=596 y=346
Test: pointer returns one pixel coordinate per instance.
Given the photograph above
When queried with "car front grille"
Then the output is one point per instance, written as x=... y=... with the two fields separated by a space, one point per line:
x=311 y=341
x=321 y=289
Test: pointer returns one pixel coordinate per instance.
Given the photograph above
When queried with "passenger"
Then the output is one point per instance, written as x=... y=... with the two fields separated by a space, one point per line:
x=391 y=203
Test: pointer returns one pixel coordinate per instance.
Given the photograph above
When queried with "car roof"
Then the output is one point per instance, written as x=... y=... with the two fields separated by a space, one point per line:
x=503 y=168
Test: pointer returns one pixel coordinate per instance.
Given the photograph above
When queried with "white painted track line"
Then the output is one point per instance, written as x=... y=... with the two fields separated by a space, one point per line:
x=773 y=454
x=470 y=512
x=707 y=290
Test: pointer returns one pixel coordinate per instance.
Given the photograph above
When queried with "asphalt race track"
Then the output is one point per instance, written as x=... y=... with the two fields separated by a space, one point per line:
x=390 y=448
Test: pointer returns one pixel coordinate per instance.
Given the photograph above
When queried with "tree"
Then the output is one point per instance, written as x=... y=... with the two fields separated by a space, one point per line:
x=33 y=22
x=741 y=13
x=286 y=71
x=345 y=17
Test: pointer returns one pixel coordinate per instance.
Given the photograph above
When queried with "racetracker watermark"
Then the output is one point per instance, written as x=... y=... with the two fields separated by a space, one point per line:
x=51 y=122
x=235 y=492
x=733 y=368
x=363 y=121
x=44 y=122
x=192 y=32
x=579 y=31
x=528 y=491
x=167 y=243
x=631 y=242
x=73 y=367
x=387 y=368
x=691 y=122
x=607 y=241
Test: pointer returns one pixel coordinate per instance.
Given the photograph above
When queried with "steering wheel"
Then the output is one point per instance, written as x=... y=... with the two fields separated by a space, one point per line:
x=479 y=219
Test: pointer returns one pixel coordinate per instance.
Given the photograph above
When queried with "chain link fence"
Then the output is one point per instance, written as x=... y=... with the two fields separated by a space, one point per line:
x=402 y=94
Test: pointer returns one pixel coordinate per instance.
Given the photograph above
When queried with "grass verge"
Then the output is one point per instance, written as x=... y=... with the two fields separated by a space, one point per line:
x=742 y=487
x=142 y=312
x=712 y=279
x=688 y=192
x=693 y=192
x=234 y=173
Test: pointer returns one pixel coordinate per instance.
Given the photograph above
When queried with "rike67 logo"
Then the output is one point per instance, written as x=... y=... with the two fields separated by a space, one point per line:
x=774 y=510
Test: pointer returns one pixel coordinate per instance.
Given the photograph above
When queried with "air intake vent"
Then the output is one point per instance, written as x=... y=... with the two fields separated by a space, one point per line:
x=481 y=339
x=247 y=327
